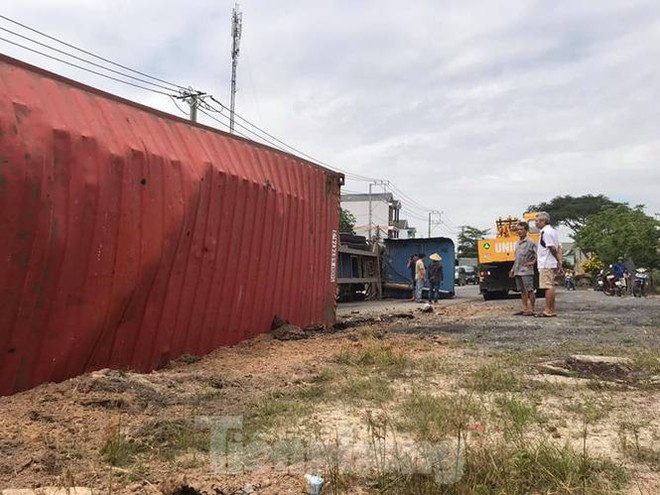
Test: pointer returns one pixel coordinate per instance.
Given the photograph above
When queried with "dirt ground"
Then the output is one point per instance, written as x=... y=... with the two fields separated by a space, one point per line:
x=469 y=376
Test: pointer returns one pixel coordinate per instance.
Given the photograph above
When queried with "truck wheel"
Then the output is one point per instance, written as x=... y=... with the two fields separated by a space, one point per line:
x=488 y=296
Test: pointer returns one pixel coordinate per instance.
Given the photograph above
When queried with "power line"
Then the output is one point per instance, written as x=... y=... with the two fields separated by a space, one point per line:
x=294 y=149
x=419 y=205
x=224 y=124
x=349 y=175
x=415 y=208
x=90 y=53
x=81 y=67
x=88 y=61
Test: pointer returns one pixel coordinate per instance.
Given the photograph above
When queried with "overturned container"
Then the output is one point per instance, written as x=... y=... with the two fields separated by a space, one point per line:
x=131 y=236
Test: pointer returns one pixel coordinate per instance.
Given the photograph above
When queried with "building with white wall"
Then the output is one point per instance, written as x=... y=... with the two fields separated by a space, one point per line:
x=380 y=211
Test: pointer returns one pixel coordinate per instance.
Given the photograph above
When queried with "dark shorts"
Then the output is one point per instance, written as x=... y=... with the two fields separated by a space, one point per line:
x=525 y=283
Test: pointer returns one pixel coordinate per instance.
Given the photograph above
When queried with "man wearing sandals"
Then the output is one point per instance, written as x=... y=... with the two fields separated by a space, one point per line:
x=523 y=269
x=549 y=262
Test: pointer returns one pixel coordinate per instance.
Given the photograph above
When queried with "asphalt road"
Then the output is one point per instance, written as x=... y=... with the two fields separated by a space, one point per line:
x=467 y=294
x=585 y=318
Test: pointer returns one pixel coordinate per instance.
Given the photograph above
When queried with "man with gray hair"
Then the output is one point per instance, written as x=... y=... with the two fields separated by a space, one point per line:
x=549 y=262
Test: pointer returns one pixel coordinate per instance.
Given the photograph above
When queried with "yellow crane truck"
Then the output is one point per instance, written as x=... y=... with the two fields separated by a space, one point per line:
x=496 y=257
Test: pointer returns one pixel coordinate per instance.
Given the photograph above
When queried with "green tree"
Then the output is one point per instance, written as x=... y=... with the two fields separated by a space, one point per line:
x=346 y=221
x=574 y=211
x=467 y=240
x=621 y=231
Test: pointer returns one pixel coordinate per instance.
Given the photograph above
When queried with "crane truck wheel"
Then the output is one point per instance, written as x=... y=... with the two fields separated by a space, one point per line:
x=499 y=294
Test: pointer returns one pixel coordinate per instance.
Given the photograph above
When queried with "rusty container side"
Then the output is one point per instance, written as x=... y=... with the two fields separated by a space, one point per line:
x=130 y=237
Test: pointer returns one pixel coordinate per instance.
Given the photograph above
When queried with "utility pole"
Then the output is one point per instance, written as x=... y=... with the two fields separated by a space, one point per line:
x=383 y=183
x=433 y=213
x=236 y=31
x=193 y=108
x=192 y=98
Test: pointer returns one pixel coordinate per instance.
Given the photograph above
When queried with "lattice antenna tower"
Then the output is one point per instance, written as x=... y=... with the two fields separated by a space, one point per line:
x=236 y=32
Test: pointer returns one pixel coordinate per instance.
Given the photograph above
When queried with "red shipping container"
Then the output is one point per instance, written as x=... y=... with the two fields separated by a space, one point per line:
x=130 y=236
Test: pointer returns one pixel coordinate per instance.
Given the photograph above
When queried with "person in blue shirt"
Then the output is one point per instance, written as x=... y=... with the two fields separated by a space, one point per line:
x=619 y=268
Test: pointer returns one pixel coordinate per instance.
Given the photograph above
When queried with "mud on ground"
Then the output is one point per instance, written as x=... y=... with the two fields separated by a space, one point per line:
x=126 y=432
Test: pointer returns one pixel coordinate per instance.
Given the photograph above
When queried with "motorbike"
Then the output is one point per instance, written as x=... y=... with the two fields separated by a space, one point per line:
x=640 y=282
x=569 y=281
x=614 y=286
x=599 y=281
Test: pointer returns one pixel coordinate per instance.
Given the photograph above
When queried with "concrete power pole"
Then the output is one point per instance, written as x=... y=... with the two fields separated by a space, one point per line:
x=193 y=108
x=437 y=222
x=192 y=98
x=383 y=183
x=236 y=31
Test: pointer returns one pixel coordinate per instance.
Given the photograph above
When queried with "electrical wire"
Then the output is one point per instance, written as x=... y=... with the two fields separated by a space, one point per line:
x=414 y=209
x=177 y=106
x=294 y=149
x=81 y=67
x=88 y=61
x=404 y=195
x=223 y=123
x=90 y=53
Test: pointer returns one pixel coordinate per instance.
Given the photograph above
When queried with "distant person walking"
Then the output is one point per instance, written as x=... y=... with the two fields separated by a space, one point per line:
x=523 y=269
x=420 y=276
x=412 y=260
x=549 y=262
x=435 y=277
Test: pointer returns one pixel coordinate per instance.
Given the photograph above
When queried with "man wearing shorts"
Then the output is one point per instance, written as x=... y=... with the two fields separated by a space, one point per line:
x=549 y=262
x=523 y=269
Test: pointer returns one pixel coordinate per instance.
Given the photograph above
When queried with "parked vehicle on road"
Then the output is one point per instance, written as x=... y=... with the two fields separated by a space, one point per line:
x=599 y=281
x=496 y=257
x=615 y=286
x=465 y=274
x=640 y=282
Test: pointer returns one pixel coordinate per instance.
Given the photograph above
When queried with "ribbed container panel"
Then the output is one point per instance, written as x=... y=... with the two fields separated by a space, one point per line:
x=130 y=237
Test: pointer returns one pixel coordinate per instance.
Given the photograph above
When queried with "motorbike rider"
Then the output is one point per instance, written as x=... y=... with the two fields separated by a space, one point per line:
x=619 y=270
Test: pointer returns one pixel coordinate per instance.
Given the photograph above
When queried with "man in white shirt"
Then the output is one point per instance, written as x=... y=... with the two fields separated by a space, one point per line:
x=548 y=261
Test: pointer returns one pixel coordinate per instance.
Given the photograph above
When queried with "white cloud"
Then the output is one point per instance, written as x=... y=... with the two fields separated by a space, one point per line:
x=475 y=108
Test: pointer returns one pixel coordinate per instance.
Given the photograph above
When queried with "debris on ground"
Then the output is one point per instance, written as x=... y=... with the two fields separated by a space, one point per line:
x=289 y=332
x=611 y=368
x=353 y=321
x=48 y=490
x=427 y=308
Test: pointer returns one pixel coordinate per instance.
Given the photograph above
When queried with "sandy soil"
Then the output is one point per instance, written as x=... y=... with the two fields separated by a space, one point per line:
x=54 y=435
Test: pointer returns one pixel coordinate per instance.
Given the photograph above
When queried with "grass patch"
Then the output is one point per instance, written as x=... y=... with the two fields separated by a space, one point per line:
x=377 y=355
x=630 y=445
x=118 y=450
x=431 y=365
x=517 y=415
x=276 y=411
x=433 y=418
x=500 y=467
x=494 y=378
x=536 y=466
x=373 y=389
x=171 y=438
x=326 y=375
x=648 y=362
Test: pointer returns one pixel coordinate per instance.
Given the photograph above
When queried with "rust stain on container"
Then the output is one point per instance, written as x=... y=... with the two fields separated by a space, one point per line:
x=131 y=237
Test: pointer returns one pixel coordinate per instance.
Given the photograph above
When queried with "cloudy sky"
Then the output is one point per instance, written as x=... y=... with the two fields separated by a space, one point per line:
x=477 y=108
